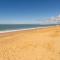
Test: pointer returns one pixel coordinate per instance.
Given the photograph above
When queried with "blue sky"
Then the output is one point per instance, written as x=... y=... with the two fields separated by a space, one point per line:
x=28 y=11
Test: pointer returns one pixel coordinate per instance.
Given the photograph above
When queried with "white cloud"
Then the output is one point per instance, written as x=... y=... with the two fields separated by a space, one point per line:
x=51 y=20
x=55 y=19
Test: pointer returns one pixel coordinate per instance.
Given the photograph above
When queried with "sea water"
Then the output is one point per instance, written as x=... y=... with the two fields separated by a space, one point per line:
x=14 y=27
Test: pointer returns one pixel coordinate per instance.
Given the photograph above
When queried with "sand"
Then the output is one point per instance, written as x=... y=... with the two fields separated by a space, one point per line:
x=37 y=44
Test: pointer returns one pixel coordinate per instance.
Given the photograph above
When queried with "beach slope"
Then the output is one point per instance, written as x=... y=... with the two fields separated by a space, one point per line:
x=36 y=44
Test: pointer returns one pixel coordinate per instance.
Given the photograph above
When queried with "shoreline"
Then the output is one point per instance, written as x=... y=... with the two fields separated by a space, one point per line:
x=7 y=31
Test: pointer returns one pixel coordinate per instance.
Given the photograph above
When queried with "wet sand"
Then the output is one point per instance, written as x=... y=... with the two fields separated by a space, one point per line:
x=37 y=44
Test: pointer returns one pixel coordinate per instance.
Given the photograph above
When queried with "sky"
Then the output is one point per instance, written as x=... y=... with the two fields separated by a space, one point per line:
x=29 y=11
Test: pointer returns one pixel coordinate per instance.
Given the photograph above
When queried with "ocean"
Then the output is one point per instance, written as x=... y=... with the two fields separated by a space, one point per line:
x=12 y=27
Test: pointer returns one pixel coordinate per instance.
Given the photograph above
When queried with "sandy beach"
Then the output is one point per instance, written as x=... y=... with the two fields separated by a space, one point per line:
x=36 y=44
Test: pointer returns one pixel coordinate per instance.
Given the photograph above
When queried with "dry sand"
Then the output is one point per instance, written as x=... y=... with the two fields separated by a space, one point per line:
x=38 y=44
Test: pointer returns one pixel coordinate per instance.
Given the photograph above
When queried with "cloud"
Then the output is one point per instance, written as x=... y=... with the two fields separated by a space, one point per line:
x=45 y=20
x=55 y=19
x=51 y=20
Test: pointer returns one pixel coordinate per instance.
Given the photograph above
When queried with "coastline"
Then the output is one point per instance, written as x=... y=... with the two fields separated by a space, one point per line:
x=35 y=44
x=7 y=31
